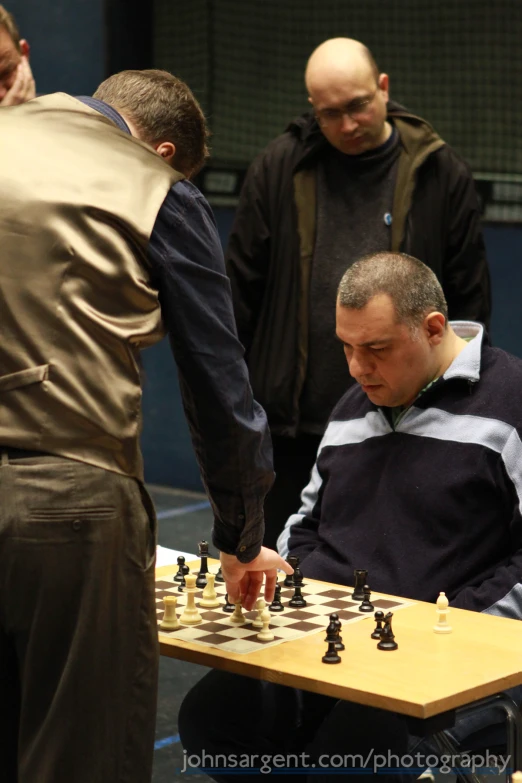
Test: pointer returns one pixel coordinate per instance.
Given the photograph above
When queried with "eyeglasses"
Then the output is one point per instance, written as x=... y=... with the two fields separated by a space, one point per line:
x=355 y=109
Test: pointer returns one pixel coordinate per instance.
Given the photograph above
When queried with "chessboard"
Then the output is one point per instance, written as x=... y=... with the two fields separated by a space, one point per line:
x=216 y=630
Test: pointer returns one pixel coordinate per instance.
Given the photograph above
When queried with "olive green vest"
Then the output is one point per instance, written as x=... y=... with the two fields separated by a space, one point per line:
x=78 y=202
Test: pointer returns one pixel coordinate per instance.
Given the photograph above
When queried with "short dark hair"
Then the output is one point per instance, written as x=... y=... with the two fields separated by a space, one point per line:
x=410 y=284
x=163 y=108
x=7 y=21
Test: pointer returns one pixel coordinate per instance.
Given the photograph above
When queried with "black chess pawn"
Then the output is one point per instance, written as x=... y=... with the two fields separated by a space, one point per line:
x=181 y=573
x=332 y=634
x=379 y=619
x=360 y=581
x=294 y=562
x=276 y=605
x=228 y=606
x=182 y=583
x=366 y=605
x=297 y=600
x=219 y=576
x=387 y=636
x=201 y=581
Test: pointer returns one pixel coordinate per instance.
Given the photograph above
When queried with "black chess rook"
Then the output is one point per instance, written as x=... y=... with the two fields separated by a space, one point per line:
x=360 y=580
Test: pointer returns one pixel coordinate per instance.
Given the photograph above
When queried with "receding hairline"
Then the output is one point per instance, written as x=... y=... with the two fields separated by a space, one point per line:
x=338 y=55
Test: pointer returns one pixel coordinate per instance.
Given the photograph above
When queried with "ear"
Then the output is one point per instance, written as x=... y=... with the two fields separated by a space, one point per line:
x=435 y=327
x=384 y=85
x=24 y=48
x=166 y=150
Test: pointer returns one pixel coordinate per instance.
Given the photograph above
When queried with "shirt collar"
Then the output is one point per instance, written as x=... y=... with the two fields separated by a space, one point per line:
x=106 y=110
x=467 y=363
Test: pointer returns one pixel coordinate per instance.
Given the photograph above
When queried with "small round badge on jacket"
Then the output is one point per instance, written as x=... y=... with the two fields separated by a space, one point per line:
x=388 y=218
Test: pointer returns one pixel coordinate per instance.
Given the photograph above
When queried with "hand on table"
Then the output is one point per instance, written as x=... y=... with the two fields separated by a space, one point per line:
x=23 y=88
x=244 y=580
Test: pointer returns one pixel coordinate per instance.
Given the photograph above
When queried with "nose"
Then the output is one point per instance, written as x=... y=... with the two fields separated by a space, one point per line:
x=360 y=366
x=348 y=123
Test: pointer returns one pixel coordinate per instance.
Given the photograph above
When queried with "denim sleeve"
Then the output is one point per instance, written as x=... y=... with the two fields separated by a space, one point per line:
x=228 y=428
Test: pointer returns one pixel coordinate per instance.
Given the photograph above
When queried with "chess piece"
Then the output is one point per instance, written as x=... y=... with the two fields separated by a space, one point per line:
x=387 y=641
x=338 y=625
x=442 y=625
x=360 y=581
x=201 y=581
x=379 y=619
x=332 y=634
x=182 y=583
x=190 y=615
x=228 y=607
x=276 y=605
x=219 y=577
x=181 y=573
x=170 y=619
x=294 y=562
x=266 y=634
x=260 y=605
x=297 y=600
x=238 y=618
x=366 y=605
x=209 y=598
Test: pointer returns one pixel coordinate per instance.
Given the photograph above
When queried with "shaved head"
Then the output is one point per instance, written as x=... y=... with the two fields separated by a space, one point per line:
x=339 y=58
x=349 y=95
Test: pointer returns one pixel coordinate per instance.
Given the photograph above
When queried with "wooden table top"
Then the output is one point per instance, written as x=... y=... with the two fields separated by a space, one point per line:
x=430 y=673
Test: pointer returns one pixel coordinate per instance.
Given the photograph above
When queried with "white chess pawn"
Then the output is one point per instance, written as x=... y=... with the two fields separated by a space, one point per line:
x=266 y=634
x=260 y=605
x=170 y=619
x=442 y=625
x=190 y=615
x=209 y=598
x=238 y=618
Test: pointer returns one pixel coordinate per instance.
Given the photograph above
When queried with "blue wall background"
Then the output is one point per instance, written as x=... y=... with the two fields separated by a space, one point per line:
x=67 y=41
x=169 y=458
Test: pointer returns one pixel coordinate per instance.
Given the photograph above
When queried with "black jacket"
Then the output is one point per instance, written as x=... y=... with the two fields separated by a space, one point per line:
x=269 y=255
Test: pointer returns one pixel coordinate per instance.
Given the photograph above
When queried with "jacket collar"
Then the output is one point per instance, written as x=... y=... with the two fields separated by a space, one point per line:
x=416 y=134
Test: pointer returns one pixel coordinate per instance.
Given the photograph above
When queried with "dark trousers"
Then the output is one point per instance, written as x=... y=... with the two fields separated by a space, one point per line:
x=294 y=459
x=78 y=636
x=242 y=723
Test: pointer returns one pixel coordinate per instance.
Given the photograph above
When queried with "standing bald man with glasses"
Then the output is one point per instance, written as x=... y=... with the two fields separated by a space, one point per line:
x=359 y=174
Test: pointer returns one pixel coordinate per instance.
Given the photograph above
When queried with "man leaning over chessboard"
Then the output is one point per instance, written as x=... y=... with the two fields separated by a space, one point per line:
x=418 y=480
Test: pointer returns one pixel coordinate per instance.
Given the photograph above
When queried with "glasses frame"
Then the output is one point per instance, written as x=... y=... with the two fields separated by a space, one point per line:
x=360 y=110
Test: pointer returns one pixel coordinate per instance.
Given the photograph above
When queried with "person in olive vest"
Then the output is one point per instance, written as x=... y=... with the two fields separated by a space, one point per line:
x=106 y=245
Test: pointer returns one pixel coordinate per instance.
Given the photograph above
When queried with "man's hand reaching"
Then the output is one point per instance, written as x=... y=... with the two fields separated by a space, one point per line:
x=244 y=580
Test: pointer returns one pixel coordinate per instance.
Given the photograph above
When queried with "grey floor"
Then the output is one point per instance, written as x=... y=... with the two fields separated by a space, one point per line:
x=180 y=527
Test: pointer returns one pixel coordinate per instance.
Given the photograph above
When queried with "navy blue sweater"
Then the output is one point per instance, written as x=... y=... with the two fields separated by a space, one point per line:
x=432 y=505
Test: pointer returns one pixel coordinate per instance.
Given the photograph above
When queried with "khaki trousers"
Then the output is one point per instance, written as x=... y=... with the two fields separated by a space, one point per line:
x=78 y=637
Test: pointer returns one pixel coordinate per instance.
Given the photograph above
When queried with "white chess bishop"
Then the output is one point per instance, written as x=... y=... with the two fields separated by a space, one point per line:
x=442 y=625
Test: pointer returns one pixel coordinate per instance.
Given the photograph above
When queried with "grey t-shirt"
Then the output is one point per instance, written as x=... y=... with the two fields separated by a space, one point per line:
x=354 y=205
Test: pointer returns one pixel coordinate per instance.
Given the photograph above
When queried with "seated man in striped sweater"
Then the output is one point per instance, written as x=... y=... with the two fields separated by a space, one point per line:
x=417 y=480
